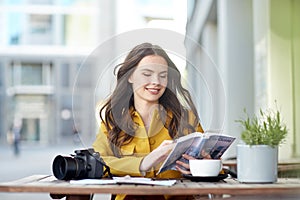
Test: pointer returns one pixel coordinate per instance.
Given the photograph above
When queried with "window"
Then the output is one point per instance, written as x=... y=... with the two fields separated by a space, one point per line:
x=34 y=74
x=40 y=29
x=78 y=36
x=15 y=26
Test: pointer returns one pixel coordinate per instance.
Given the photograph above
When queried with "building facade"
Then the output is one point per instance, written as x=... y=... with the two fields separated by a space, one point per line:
x=44 y=50
x=41 y=51
x=249 y=58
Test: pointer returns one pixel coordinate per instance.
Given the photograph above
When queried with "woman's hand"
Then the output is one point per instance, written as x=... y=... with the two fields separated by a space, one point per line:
x=181 y=166
x=157 y=155
x=184 y=168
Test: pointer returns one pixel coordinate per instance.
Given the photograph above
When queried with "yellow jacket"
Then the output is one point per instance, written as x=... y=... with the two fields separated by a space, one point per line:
x=133 y=153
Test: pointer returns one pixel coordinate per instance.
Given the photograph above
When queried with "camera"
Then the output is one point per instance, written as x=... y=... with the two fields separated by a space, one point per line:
x=86 y=163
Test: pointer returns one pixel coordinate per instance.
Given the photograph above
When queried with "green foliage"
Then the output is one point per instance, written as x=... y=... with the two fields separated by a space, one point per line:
x=265 y=129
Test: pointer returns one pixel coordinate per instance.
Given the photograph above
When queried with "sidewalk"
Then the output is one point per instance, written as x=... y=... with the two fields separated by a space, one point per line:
x=33 y=159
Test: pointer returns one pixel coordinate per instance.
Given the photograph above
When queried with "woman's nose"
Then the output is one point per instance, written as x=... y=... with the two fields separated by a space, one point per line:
x=155 y=80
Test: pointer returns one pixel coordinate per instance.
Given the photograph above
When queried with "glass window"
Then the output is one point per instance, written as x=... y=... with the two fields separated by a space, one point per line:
x=40 y=29
x=32 y=74
x=27 y=73
x=40 y=24
x=78 y=36
x=15 y=26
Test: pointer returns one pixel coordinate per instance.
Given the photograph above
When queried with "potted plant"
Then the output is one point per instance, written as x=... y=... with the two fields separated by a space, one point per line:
x=257 y=158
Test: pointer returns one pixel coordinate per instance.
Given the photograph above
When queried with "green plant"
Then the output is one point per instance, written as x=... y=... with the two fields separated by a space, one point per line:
x=265 y=129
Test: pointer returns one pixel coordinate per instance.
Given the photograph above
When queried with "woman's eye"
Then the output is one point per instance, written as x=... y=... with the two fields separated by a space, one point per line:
x=146 y=74
x=163 y=76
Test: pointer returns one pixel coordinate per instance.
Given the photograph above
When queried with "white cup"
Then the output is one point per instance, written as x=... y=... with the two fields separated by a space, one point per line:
x=205 y=167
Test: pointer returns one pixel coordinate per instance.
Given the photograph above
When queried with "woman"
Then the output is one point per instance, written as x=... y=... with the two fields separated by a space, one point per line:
x=146 y=111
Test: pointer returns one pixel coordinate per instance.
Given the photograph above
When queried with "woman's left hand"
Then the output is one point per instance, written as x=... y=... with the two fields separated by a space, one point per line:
x=181 y=166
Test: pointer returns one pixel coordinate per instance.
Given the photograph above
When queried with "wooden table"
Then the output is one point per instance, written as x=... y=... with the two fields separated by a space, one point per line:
x=229 y=186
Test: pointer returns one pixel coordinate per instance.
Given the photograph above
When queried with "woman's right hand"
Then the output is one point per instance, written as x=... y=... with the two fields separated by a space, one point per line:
x=157 y=155
x=183 y=167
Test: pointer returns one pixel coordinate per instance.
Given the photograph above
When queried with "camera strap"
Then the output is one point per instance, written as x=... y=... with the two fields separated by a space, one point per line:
x=107 y=170
x=98 y=157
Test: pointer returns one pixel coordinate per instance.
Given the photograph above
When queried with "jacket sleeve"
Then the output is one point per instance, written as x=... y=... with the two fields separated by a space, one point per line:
x=128 y=164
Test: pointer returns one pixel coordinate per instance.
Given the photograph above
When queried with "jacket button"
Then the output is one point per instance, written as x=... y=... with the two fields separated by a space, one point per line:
x=152 y=141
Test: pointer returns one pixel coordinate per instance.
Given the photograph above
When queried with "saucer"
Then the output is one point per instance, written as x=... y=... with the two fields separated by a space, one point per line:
x=205 y=178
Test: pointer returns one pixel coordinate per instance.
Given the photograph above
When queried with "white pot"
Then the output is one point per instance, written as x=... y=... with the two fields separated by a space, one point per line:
x=257 y=163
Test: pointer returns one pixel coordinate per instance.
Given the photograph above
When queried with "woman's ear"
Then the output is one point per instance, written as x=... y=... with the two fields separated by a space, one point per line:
x=130 y=79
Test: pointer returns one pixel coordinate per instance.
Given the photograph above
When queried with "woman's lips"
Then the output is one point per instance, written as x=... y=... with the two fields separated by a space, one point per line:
x=153 y=91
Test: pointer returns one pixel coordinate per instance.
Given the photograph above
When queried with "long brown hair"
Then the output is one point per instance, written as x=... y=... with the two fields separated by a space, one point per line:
x=118 y=109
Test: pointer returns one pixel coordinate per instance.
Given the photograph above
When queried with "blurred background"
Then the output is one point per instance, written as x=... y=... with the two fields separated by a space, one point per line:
x=254 y=60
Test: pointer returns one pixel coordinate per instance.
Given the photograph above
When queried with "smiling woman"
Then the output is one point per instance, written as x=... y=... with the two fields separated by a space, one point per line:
x=146 y=111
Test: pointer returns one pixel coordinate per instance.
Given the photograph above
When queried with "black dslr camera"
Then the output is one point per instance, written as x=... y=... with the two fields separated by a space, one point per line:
x=84 y=164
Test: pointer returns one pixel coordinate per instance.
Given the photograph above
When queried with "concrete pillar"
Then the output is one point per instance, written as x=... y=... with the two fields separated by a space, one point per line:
x=235 y=28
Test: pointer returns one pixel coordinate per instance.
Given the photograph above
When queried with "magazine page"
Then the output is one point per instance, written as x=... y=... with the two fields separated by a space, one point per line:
x=194 y=149
x=198 y=145
x=216 y=145
x=182 y=145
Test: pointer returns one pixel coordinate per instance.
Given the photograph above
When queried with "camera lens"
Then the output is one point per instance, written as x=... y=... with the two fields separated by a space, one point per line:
x=65 y=168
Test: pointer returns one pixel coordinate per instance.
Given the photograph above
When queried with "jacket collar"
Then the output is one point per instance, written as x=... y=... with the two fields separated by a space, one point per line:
x=156 y=125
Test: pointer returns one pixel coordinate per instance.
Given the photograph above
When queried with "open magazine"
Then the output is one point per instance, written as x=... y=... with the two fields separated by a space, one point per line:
x=198 y=145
